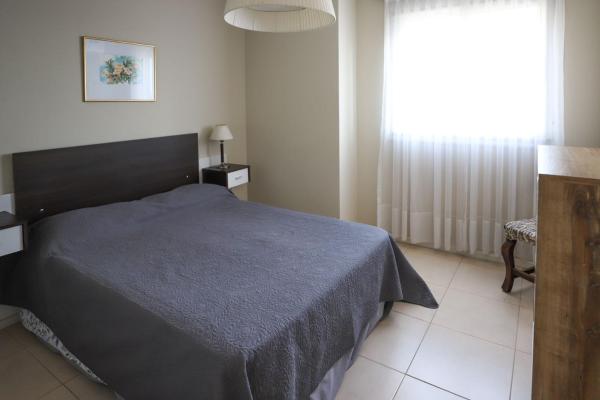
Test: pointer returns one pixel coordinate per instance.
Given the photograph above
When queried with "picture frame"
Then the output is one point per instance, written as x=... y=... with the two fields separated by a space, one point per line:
x=118 y=70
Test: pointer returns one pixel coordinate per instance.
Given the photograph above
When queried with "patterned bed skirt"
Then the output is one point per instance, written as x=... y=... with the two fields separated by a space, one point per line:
x=45 y=334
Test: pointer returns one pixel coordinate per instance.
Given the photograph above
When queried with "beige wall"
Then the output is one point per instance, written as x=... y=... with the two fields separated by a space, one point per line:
x=582 y=88
x=582 y=73
x=292 y=108
x=348 y=110
x=370 y=86
x=200 y=66
x=302 y=117
x=297 y=87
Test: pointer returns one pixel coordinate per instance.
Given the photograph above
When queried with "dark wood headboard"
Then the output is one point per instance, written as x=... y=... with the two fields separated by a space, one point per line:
x=49 y=182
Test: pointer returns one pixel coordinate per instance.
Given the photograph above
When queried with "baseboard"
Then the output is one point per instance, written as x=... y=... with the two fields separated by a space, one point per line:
x=519 y=261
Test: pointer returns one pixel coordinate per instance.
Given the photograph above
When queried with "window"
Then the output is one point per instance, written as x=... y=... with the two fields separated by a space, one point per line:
x=469 y=69
x=471 y=87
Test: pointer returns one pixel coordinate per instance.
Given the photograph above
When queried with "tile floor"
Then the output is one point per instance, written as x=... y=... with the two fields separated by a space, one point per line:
x=477 y=345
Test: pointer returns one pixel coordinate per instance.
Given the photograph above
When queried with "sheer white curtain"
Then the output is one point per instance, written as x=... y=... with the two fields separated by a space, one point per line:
x=470 y=88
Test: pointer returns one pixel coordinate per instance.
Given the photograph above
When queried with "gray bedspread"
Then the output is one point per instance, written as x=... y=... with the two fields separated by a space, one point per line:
x=194 y=294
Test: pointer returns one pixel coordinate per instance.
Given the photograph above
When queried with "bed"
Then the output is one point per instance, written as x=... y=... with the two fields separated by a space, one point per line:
x=167 y=288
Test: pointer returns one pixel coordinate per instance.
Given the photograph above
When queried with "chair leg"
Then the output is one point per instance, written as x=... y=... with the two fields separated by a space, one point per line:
x=508 y=249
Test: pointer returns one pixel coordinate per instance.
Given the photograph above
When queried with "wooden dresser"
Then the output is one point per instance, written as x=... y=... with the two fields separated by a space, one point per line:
x=566 y=355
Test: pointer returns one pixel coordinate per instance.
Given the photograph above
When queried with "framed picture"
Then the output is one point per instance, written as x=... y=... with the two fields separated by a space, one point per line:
x=115 y=70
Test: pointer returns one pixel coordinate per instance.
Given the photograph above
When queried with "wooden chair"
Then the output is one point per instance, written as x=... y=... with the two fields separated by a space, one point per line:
x=517 y=231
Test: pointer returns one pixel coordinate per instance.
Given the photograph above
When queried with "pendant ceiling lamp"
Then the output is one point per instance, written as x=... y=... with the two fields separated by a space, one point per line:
x=279 y=15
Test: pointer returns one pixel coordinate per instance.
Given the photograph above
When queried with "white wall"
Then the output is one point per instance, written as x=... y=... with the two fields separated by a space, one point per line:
x=582 y=88
x=348 y=136
x=292 y=107
x=200 y=74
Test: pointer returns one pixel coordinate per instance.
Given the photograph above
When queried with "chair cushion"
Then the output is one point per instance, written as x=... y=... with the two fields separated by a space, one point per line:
x=523 y=230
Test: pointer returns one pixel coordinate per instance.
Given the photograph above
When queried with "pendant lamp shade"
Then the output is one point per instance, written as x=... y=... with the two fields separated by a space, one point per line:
x=279 y=15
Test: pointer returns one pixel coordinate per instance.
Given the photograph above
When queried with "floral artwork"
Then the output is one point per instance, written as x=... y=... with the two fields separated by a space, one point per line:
x=116 y=70
x=120 y=70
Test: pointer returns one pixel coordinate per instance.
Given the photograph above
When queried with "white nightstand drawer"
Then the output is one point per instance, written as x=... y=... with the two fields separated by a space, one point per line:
x=11 y=240
x=237 y=178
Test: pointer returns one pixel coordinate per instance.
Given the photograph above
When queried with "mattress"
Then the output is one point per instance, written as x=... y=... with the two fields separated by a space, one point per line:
x=196 y=294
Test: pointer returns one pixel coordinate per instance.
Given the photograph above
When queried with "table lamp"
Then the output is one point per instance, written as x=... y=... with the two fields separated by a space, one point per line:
x=221 y=133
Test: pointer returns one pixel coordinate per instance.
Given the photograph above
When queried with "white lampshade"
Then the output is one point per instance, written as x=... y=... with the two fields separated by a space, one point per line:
x=221 y=132
x=279 y=15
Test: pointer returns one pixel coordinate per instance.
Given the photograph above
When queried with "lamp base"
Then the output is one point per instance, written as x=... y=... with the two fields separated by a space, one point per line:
x=223 y=165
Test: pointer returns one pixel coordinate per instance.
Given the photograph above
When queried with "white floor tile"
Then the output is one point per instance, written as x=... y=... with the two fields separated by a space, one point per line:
x=525 y=331
x=53 y=361
x=405 y=247
x=465 y=365
x=521 y=385
x=436 y=267
x=22 y=335
x=61 y=393
x=487 y=319
x=423 y=313
x=414 y=389
x=527 y=294
x=367 y=380
x=484 y=278
x=23 y=377
x=85 y=389
x=8 y=345
x=395 y=341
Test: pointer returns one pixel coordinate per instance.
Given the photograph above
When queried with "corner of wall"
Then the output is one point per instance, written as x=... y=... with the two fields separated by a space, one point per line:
x=348 y=123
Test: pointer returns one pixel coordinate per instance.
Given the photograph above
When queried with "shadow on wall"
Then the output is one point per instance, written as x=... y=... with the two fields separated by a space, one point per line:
x=211 y=148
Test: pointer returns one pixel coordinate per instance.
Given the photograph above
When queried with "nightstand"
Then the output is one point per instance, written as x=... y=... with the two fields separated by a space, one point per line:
x=13 y=234
x=231 y=177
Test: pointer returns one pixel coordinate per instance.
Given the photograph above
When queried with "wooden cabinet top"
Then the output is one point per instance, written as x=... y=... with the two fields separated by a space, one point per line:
x=571 y=162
